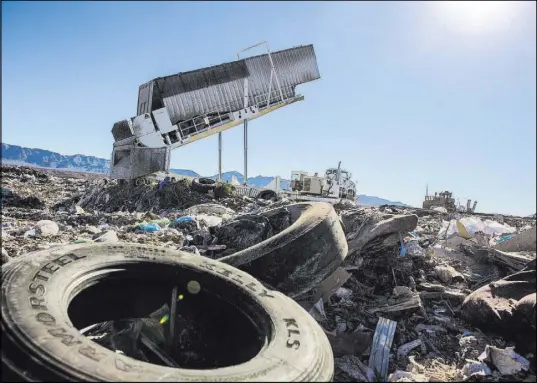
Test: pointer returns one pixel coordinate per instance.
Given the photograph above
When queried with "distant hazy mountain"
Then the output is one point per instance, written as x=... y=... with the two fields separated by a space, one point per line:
x=18 y=155
x=185 y=172
x=365 y=200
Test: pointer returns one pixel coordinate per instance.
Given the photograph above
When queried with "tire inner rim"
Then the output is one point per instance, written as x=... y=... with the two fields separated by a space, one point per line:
x=217 y=324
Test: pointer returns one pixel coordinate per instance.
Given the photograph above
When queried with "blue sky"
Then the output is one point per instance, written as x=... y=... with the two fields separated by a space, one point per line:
x=410 y=93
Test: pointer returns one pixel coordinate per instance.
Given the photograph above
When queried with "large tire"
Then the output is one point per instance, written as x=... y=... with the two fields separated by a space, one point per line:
x=267 y=195
x=203 y=185
x=299 y=257
x=95 y=282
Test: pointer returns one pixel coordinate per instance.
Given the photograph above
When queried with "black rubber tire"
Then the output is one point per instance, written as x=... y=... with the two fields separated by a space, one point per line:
x=267 y=195
x=301 y=256
x=203 y=185
x=40 y=343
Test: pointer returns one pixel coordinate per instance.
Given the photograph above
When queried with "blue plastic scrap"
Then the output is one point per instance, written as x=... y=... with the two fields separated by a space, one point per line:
x=149 y=227
x=403 y=247
x=504 y=238
x=184 y=219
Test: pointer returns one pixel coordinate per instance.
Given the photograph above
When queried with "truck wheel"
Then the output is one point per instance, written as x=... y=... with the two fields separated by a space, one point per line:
x=299 y=257
x=251 y=333
x=203 y=185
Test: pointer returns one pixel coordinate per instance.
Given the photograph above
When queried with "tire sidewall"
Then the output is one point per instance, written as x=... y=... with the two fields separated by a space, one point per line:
x=45 y=331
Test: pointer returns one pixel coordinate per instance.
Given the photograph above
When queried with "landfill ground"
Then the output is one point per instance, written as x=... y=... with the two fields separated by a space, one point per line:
x=421 y=288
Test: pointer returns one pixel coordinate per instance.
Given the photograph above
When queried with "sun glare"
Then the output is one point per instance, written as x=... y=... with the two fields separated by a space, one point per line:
x=476 y=16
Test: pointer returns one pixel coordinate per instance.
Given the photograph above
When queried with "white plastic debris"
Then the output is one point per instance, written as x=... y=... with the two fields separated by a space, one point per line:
x=403 y=376
x=506 y=360
x=343 y=293
x=79 y=210
x=108 y=237
x=209 y=220
x=472 y=226
x=46 y=228
x=474 y=368
x=413 y=249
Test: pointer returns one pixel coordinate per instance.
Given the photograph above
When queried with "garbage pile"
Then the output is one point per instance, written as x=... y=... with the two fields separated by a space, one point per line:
x=402 y=294
x=439 y=292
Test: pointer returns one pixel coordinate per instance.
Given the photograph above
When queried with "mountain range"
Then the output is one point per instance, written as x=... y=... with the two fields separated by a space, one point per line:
x=18 y=155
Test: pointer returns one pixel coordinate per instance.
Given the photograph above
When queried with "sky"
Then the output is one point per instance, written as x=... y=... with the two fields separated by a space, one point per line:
x=411 y=93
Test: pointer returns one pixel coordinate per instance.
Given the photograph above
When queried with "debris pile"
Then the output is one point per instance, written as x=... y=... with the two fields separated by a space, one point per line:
x=422 y=295
x=430 y=275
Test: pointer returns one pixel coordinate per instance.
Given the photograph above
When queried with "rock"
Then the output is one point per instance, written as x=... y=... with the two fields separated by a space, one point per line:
x=109 y=237
x=46 y=228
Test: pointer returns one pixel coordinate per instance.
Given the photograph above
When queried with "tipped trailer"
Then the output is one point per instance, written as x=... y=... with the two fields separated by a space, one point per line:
x=176 y=110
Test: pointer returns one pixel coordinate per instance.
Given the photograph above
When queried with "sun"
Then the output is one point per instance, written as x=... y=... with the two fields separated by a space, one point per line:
x=476 y=16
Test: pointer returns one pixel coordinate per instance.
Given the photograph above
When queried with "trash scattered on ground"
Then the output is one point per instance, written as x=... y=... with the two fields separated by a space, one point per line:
x=474 y=369
x=404 y=376
x=507 y=361
x=355 y=368
x=433 y=304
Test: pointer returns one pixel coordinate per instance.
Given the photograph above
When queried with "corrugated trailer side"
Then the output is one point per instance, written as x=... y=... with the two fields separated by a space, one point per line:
x=221 y=88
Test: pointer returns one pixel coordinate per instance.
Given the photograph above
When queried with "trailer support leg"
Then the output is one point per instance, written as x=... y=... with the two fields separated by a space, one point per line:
x=220 y=156
x=245 y=152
